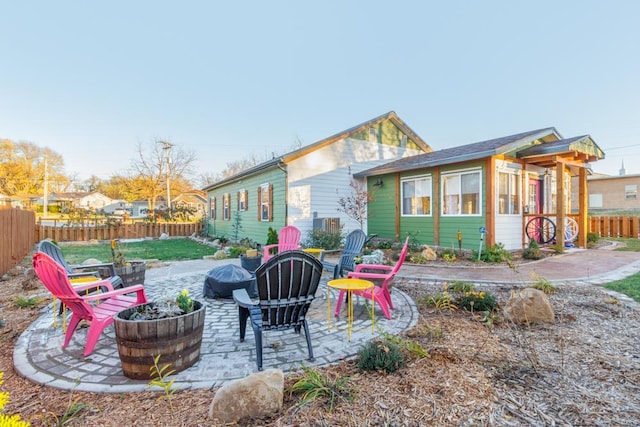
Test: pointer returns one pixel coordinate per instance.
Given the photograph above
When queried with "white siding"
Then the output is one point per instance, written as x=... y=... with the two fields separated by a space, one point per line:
x=317 y=180
x=509 y=227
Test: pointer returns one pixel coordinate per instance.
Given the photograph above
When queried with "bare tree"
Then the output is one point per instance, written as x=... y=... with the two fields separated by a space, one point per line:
x=354 y=205
x=155 y=165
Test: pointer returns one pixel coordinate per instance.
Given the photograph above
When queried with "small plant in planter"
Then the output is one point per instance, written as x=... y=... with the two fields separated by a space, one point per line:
x=165 y=307
x=131 y=272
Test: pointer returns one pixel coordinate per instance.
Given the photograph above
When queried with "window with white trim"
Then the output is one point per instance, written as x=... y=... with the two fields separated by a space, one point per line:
x=265 y=202
x=226 y=208
x=416 y=196
x=461 y=193
x=212 y=208
x=242 y=200
x=508 y=193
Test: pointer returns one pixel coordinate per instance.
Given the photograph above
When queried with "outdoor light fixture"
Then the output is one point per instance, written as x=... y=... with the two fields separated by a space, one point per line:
x=378 y=183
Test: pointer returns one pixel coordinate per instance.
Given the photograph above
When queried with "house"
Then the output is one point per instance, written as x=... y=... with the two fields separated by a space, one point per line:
x=193 y=201
x=302 y=188
x=611 y=193
x=486 y=192
x=91 y=201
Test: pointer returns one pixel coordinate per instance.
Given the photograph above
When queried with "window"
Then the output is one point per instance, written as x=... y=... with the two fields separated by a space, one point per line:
x=630 y=192
x=416 y=196
x=265 y=200
x=372 y=135
x=242 y=200
x=508 y=193
x=226 y=208
x=461 y=193
x=212 y=208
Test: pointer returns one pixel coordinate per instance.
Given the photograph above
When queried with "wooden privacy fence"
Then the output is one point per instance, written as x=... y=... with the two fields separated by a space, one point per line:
x=615 y=226
x=108 y=232
x=17 y=234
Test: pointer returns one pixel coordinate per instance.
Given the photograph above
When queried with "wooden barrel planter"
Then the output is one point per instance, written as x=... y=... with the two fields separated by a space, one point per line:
x=176 y=339
x=132 y=273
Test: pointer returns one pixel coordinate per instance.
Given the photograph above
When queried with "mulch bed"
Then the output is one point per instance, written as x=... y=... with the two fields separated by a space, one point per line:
x=582 y=370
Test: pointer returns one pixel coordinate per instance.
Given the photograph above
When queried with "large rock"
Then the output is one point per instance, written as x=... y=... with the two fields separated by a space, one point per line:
x=529 y=305
x=255 y=396
x=429 y=253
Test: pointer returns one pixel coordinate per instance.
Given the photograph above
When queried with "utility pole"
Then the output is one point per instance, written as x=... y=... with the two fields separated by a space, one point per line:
x=45 y=199
x=166 y=148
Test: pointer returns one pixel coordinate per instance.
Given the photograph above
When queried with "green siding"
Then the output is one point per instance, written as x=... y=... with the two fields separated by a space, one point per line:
x=382 y=213
x=468 y=226
x=252 y=228
x=388 y=134
x=381 y=209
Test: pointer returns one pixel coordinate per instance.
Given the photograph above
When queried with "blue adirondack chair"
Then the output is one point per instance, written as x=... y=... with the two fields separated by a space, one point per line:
x=352 y=248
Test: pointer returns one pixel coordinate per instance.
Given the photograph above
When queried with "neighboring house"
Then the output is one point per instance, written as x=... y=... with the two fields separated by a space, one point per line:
x=499 y=184
x=93 y=201
x=116 y=207
x=608 y=193
x=26 y=201
x=5 y=200
x=140 y=208
x=194 y=199
x=302 y=188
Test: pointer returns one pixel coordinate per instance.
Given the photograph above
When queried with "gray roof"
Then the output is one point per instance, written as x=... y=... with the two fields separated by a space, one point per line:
x=462 y=153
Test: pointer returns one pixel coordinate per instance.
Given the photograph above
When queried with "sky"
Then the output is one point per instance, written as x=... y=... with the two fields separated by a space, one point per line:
x=228 y=80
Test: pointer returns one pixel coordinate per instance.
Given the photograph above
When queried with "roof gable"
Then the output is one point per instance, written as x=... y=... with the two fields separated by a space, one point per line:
x=473 y=151
x=412 y=138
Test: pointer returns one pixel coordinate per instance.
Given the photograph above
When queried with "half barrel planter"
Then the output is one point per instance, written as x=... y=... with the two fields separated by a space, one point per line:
x=176 y=339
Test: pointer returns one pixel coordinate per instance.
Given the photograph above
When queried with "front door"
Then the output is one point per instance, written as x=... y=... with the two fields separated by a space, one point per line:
x=534 y=204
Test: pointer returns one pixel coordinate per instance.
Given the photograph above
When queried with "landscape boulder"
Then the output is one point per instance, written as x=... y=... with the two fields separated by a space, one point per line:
x=529 y=305
x=258 y=395
x=429 y=254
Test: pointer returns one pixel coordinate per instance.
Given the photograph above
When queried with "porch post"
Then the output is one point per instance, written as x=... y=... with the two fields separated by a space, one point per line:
x=583 y=208
x=560 y=208
x=490 y=201
x=436 y=206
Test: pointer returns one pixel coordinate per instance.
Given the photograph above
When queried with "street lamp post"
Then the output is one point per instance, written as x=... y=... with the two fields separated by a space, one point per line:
x=167 y=146
x=45 y=198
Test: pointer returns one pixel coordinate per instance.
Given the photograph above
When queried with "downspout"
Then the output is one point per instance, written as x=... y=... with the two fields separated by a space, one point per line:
x=283 y=167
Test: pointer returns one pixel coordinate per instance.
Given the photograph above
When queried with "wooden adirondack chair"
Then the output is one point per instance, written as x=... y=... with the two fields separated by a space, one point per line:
x=56 y=280
x=288 y=240
x=383 y=273
x=353 y=245
x=287 y=285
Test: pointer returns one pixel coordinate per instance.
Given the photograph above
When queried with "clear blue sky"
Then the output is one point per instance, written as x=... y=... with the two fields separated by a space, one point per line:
x=224 y=79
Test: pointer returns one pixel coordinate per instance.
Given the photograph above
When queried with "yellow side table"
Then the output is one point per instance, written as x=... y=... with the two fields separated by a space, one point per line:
x=350 y=285
x=314 y=251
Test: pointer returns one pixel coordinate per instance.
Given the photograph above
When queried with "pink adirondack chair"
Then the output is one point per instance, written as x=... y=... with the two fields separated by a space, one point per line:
x=384 y=273
x=288 y=240
x=55 y=279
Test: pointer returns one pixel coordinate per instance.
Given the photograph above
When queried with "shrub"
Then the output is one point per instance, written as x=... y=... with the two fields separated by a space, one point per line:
x=459 y=286
x=477 y=301
x=441 y=301
x=532 y=251
x=272 y=236
x=543 y=285
x=313 y=384
x=380 y=355
x=494 y=253
x=592 y=237
x=323 y=239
